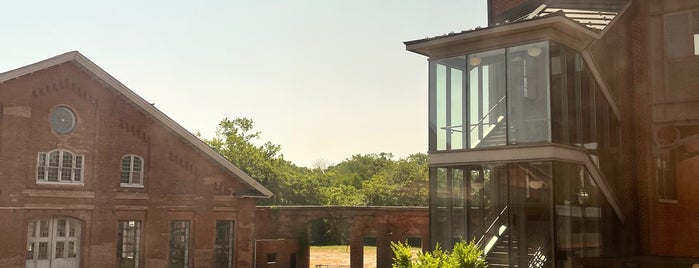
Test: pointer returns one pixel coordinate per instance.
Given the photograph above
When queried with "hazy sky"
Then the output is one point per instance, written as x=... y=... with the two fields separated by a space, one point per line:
x=325 y=79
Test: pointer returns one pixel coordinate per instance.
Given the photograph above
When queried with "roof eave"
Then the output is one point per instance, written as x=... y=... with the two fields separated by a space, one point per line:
x=426 y=46
x=76 y=57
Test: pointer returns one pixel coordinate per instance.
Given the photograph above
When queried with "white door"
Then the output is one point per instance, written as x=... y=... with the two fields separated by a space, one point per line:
x=53 y=243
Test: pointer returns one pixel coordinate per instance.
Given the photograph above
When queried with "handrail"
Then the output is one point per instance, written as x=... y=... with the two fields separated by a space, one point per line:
x=452 y=128
x=504 y=209
x=487 y=114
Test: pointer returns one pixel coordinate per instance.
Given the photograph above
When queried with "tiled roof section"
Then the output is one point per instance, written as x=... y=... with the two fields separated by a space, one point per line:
x=593 y=19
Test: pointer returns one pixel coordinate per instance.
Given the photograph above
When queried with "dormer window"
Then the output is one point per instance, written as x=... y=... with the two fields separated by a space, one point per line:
x=59 y=166
x=131 y=171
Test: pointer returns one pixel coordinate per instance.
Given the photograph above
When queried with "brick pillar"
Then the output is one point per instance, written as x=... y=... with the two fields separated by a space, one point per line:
x=356 y=249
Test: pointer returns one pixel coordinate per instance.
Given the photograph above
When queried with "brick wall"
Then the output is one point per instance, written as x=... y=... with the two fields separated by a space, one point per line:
x=181 y=182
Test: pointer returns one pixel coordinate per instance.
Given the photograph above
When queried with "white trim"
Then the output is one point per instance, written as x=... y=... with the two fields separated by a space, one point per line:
x=131 y=185
x=159 y=116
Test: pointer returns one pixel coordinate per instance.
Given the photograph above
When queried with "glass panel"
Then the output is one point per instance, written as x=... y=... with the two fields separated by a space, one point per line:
x=30 y=251
x=67 y=160
x=137 y=164
x=41 y=174
x=78 y=175
x=72 y=250
x=441 y=88
x=66 y=174
x=54 y=159
x=179 y=244
x=71 y=232
x=456 y=117
x=439 y=216
x=128 y=243
x=44 y=228
x=458 y=217
x=61 y=228
x=43 y=251
x=126 y=163
x=78 y=161
x=530 y=214
x=486 y=92
x=60 y=249
x=224 y=244
x=528 y=93
x=125 y=177
x=586 y=226
x=447 y=106
x=52 y=174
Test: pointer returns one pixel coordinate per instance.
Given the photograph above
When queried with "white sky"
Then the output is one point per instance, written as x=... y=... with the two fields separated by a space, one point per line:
x=325 y=79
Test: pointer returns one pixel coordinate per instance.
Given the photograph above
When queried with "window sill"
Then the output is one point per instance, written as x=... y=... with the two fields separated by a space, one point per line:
x=668 y=201
x=60 y=183
x=127 y=185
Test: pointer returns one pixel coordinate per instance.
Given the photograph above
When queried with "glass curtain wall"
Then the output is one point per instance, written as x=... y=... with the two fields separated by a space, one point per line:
x=447 y=100
x=486 y=99
x=581 y=115
x=525 y=212
x=472 y=97
x=528 y=102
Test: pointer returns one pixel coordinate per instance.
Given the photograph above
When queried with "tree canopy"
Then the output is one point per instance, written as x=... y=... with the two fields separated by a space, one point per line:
x=373 y=179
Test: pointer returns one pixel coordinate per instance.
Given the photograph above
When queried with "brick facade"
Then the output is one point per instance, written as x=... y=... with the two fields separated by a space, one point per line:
x=181 y=182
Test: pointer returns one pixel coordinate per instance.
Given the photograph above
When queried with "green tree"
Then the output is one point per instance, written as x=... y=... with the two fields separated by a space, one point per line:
x=401 y=183
x=235 y=140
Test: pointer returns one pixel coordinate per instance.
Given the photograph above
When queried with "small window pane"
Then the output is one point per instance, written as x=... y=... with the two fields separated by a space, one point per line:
x=224 y=244
x=61 y=228
x=41 y=174
x=128 y=245
x=53 y=159
x=44 y=228
x=125 y=177
x=53 y=174
x=79 y=161
x=30 y=251
x=72 y=251
x=137 y=164
x=126 y=163
x=42 y=159
x=696 y=44
x=67 y=160
x=60 y=249
x=179 y=244
x=43 y=251
x=66 y=174
x=136 y=177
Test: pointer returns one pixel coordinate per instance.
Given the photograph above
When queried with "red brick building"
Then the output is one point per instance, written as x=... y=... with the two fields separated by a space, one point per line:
x=566 y=133
x=94 y=176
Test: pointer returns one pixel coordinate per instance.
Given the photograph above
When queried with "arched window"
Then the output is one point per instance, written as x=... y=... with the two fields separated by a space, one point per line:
x=132 y=171
x=59 y=166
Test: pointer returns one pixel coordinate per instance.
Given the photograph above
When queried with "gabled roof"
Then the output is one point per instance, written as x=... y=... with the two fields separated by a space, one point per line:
x=90 y=67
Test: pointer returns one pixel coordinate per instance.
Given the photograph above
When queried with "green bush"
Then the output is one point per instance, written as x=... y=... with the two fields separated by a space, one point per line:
x=467 y=255
x=464 y=255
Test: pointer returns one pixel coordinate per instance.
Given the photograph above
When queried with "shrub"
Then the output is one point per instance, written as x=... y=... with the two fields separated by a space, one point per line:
x=467 y=255
x=464 y=255
x=401 y=255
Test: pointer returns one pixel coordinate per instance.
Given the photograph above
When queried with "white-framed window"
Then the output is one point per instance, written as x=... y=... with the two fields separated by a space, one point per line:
x=59 y=166
x=131 y=171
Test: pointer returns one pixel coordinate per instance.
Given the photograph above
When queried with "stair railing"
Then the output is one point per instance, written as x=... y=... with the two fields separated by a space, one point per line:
x=455 y=128
x=494 y=231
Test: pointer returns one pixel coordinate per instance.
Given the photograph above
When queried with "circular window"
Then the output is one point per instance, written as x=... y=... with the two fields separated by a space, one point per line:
x=62 y=120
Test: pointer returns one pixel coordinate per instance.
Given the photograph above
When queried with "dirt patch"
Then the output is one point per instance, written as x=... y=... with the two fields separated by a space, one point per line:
x=339 y=256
